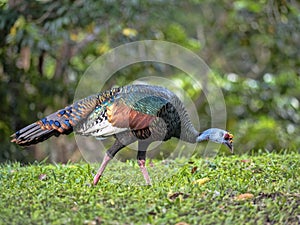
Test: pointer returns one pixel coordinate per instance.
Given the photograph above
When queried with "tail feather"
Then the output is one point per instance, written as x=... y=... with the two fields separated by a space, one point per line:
x=61 y=122
x=42 y=130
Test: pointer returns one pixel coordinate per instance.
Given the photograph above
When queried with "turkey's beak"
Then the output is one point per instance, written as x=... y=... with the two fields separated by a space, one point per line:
x=229 y=144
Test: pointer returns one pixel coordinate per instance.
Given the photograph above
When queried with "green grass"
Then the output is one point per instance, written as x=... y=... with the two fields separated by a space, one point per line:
x=63 y=194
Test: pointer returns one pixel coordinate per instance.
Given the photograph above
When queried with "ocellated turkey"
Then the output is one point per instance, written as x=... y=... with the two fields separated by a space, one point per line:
x=141 y=113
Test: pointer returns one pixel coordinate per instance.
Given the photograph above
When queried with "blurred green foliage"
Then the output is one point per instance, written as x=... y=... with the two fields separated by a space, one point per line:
x=252 y=48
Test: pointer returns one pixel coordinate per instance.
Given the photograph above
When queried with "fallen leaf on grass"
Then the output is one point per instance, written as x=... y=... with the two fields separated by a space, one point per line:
x=152 y=213
x=112 y=202
x=194 y=169
x=244 y=196
x=42 y=176
x=201 y=181
x=246 y=160
x=75 y=208
x=173 y=196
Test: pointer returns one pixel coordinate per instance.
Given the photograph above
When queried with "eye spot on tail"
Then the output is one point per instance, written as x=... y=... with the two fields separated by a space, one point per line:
x=44 y=120
x=67 y=123
x=57 y=123
x=61 y=113
x=67 y=115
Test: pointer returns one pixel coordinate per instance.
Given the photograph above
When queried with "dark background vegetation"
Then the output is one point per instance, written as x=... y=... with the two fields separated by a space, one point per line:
x=251 y=46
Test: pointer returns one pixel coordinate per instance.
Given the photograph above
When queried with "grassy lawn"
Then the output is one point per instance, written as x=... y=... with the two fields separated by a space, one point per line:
x=245 y=189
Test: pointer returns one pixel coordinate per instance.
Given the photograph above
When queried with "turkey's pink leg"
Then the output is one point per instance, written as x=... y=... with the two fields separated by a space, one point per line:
x=104 y=163
x=144 y=171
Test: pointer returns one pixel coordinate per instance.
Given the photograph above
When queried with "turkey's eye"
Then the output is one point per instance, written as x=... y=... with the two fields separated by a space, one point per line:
x=229 y=137
x=226 y=137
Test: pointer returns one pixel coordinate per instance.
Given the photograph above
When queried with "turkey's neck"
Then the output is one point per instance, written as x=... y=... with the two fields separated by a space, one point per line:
x=188 y=132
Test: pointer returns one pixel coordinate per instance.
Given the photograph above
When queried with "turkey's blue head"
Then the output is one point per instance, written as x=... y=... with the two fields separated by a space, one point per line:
x=217 y=135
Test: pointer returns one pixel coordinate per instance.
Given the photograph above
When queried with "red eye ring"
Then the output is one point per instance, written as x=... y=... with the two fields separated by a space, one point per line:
x=228 y=136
